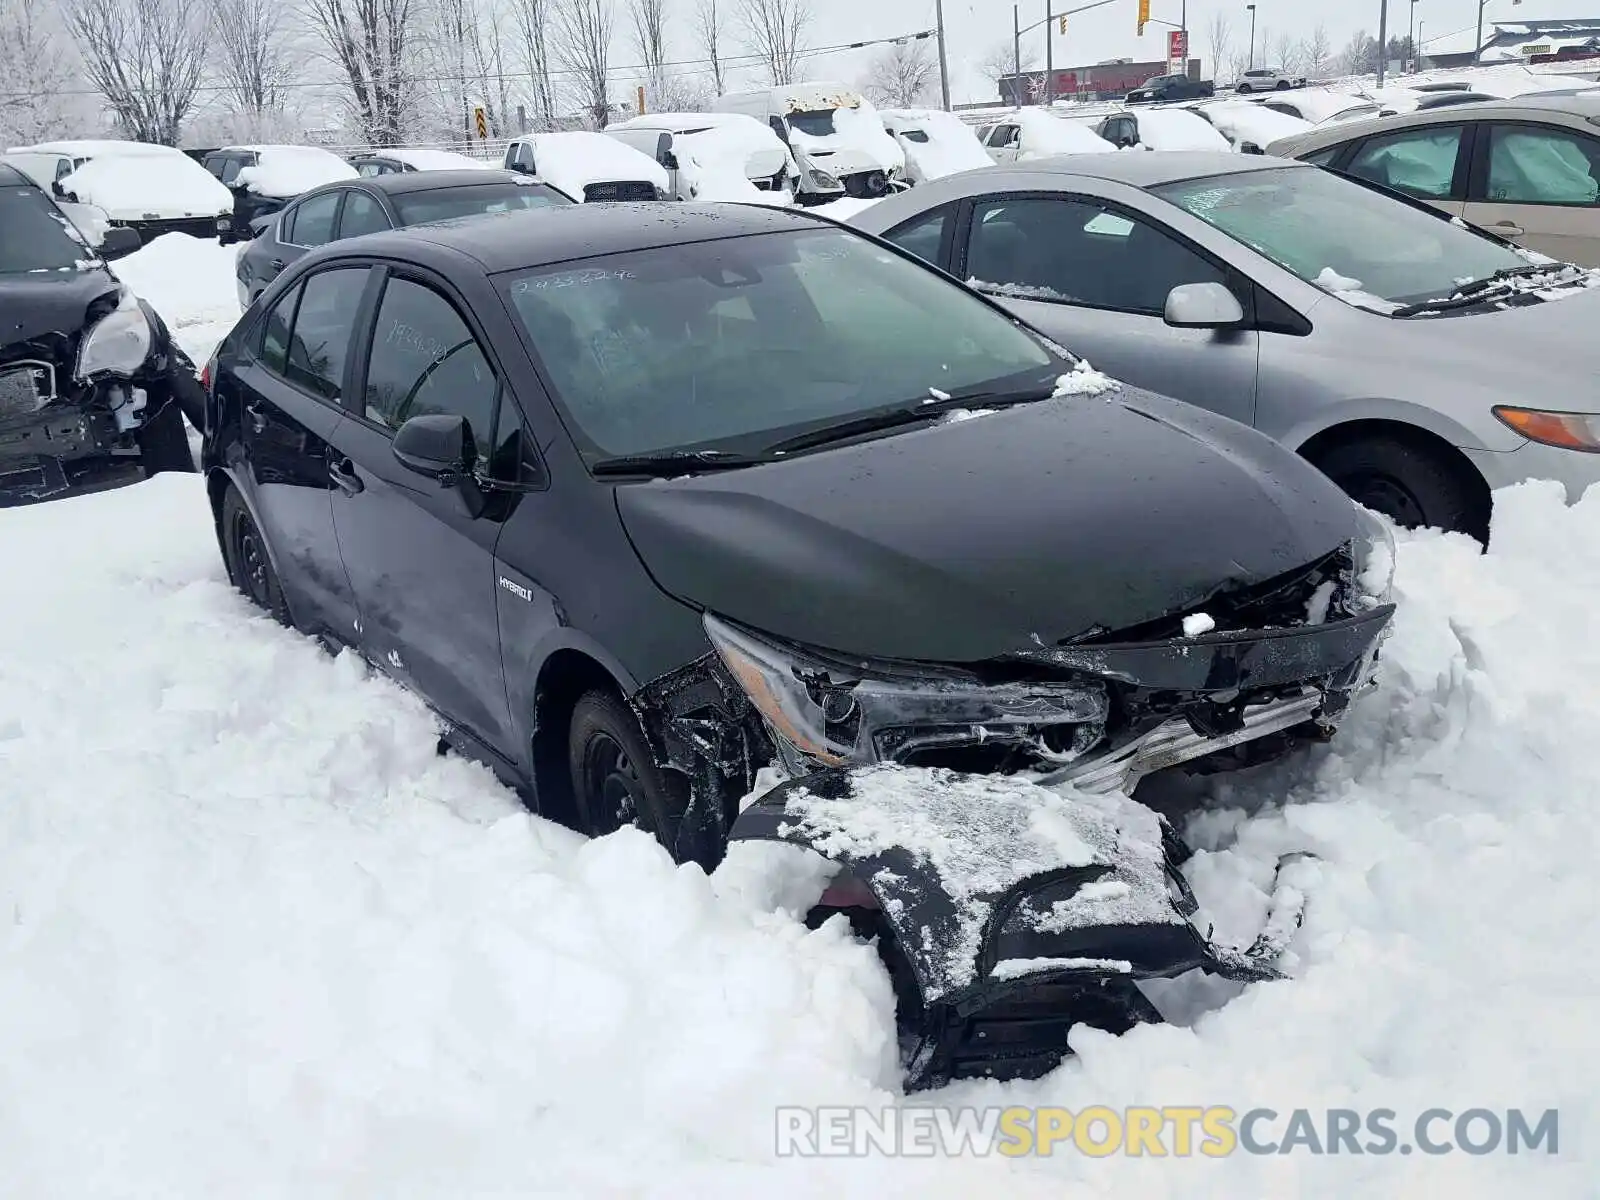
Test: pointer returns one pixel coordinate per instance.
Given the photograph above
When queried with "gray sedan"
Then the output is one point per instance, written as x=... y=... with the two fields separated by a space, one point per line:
x=1417 y=362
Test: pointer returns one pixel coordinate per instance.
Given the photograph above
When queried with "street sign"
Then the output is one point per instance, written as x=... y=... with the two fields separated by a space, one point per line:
x=480 y=121
x=1178 y=51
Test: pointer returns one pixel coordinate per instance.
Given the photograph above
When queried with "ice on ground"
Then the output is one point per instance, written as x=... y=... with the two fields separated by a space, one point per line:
x=191 y=283
x=287 y=171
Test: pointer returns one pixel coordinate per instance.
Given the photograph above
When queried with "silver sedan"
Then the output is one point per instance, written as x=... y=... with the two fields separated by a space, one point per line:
x=1417 y=362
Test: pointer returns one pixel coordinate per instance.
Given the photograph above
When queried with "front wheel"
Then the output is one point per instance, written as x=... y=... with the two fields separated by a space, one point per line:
x=1244 y=89
x=616 y=780
x=1283 y=85
x=1411 y=485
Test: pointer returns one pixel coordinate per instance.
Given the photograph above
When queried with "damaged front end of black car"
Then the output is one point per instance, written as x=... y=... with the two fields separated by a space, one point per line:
x=93 y=392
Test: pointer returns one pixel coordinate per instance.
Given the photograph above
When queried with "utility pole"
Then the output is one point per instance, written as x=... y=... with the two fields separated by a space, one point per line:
x=1477 y=46
x=1383 y=39
x=1411 y=38
x=1049 y=54
x=944 y=62
x=1016 y=46
x=1252 y=9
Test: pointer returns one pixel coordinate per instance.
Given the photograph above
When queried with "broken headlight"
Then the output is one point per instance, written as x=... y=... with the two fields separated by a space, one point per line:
x=837 y=713
x=118 y=343
x=1373 y=551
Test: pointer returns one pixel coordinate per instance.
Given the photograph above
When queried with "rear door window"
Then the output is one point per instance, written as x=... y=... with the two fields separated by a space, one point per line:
x=1420 y=162
x=362 y=214
x=324 y=323
x=923 y=235
x=1531 y=164
x=314 y=219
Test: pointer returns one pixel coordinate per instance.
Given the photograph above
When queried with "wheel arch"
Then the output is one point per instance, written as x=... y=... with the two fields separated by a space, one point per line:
x=218 y=480
x=1424 y=440
x=565 y=674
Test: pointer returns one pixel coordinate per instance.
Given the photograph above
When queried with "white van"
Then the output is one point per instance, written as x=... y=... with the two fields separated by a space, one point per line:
x=588 y=166
x=834 y=134
x=698 y=150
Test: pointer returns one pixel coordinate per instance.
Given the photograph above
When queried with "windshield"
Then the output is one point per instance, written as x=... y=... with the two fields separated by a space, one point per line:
x=739 y=343
x=815 y=123
x=35 y=235
x=1341 y=236
x=446 y=204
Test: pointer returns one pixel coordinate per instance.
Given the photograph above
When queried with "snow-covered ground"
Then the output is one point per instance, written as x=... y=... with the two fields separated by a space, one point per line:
x=261 y=941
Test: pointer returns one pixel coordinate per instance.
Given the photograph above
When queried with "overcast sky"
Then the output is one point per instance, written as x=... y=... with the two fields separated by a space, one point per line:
x=975 y=27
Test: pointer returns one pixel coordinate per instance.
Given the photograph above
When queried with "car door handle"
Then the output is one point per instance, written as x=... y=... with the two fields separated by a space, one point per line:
x=276 y=264
x=1508 y=228
x=258 y=419
x=343 y=473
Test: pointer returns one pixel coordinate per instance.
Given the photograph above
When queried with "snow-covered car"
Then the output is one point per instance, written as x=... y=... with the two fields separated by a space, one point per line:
x=137 y=185
x=1031 y=133
x=589 y=166
x=399 y=160
x=1248 y=127
x=92 y=389
x=360 y=206
x=1317 y=105
x=561 y=520
x=1242 y=283
x=1268 y=79
x=712 y=156
x=1160 y=129
x=935 y=143
x=833 y=133
x=262 y=179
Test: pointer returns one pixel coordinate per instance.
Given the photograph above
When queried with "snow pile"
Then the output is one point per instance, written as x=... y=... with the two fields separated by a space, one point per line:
x=1177 y=129
x=573 y=160
x=147 y=183
x=1044 y=135
x=935 y=143
x=1243 y=123
x=1083 y=380
x=287 y=171
x=426 y=158
x=191 y=283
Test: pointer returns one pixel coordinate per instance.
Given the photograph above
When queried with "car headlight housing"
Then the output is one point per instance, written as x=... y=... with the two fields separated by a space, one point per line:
x=841 y=713
x=822 y=179
x=1374 y=553
x=1565 y=430
x=118 y=343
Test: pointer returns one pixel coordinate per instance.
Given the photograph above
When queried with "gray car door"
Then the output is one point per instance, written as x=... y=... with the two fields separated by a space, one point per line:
x=1096 y=277
x=1539 y=185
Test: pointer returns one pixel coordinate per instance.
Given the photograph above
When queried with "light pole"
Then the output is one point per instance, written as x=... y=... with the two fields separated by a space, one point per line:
x=1383 y=40
x=1411 y=38
x=1252 y=9
x=1018 y=29
x=1421 y=40
x=1477 y=46
x=944 y=63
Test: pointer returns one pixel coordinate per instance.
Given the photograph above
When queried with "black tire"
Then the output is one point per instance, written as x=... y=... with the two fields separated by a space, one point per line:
x=1283 y=85
x=616 y=780
x=1243 y=89
x=244 y=553
x=1411 y=484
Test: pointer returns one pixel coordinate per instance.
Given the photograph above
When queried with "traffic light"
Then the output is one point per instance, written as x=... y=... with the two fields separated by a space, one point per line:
x=1063 y=25
x=1144 y=15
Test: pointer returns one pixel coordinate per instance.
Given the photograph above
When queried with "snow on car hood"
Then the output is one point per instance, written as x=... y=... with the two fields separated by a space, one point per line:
x=859 y=142
x=1116 y=509
x=287 y=171
x=1044 y=135
x=148 y=186
x=424 y=158
x=952 y=146
x=1242 y=121
x=1176 y=129
x=572 y=161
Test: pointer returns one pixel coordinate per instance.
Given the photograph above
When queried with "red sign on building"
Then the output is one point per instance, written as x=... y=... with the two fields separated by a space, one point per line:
x=1177 y=50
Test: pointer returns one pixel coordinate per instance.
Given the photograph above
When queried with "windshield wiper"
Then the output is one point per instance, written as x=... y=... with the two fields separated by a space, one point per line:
x=1473 y=292
x=911 y=414
x=668 y=463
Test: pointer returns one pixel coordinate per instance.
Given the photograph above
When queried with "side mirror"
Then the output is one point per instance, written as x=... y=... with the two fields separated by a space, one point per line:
x=119 y=243
x=440 y=446
x=669 y=160
x=57 y=190
x=1203 y=306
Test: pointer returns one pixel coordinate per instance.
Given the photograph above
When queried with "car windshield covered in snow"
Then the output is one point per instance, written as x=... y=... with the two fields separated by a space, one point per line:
x=733 y=344
x=34 y=235
x=446 y=204
x=1341 y=236
x=813 y=122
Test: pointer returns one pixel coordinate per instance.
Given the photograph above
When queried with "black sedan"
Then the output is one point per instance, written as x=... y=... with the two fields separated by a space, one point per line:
x=644 y=498
x=92 y=389
x=351 y=208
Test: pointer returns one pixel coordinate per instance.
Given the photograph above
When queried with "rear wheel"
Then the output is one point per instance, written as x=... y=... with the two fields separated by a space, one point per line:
x=244 y=551
x=616 y=780
x=1244 y=89
x=1410 y=484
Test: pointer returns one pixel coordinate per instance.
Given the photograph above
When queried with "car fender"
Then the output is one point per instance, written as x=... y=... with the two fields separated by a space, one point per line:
x=1403 y=412
x=217 y=478
x=524 y=665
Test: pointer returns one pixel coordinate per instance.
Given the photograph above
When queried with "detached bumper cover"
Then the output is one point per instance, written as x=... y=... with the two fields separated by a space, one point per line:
x=1017 y=911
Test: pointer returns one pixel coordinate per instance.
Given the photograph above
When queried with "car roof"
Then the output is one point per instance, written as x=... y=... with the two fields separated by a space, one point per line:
x=1582 y=103
x=11 y=177
x=1152 y=168
x=520 y=240
x=431 y=181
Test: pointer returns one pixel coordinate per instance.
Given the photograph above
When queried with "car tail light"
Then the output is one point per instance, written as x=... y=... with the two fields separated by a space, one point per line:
x=207 y=372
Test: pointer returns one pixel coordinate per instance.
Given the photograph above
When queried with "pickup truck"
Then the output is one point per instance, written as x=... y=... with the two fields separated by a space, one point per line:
x=1171 y=87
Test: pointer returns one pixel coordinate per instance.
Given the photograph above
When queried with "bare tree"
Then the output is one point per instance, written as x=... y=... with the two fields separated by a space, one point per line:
x=708 y=31
x=581 y=33
x=775 y=32
x=35 y=72
x=533 y=24
x=1001 y=64
x=1288 y=52
x=1316 y=51
x=1360 y=55
x=146 y=57
x=1219 y=35
x=902 y=75
x=368 y=40
x=253 y=63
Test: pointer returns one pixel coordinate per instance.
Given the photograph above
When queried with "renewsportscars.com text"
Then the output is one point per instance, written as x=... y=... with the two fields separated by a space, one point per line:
x=1177 y=1131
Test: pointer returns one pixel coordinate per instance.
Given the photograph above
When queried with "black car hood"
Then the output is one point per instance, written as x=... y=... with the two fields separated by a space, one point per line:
x=45 y=312
x=970 y=540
